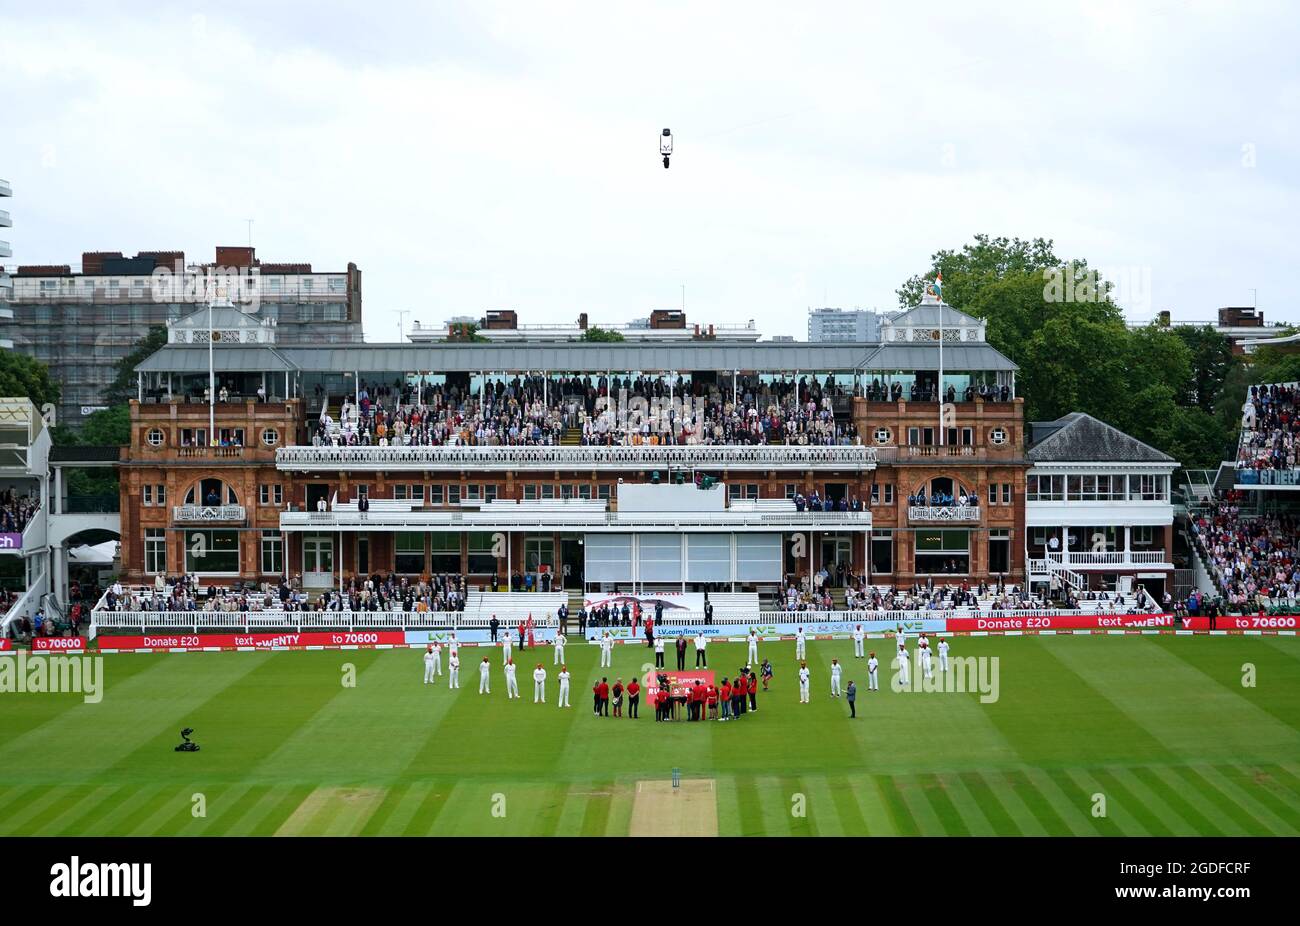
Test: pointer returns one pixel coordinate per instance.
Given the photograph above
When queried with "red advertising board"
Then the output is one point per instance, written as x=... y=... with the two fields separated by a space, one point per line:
x=58 y=644
x=994 y=623
x=1245 y=622
x=6 y=644
x=256 y=640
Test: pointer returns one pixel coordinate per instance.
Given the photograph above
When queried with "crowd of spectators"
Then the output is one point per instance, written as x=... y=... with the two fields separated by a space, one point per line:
x=533 y=410
x=926 y=391
x=938 y=499
x=1269 y=426
x=1254 y=562
x=359 y=593
x=16 y=509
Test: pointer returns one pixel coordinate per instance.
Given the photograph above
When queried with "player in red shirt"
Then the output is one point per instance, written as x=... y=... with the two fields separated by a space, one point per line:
x=633 y=697
x=726 y=700
x=752 y=687
x=711 y=698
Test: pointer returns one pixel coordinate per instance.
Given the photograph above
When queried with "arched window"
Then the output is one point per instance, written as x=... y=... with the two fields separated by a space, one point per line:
x=211 y=492
x=943 y=491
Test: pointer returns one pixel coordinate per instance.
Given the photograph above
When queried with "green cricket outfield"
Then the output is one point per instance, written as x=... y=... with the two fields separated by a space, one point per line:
x=1158 y=733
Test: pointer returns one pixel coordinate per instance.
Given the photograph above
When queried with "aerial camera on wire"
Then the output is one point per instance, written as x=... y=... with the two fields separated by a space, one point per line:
x=666 y=145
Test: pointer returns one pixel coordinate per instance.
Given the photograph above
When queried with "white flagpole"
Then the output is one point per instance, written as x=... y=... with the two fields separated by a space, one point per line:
x=942 y=434
x=212 y=382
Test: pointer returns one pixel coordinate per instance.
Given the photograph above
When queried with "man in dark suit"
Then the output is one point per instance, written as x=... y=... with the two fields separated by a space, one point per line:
x=582 y=620
x=562 y=614
x=494 y=625
x=681 y=652
x=708 y=611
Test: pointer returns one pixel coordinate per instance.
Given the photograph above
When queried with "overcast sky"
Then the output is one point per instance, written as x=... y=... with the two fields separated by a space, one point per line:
x=504 y=155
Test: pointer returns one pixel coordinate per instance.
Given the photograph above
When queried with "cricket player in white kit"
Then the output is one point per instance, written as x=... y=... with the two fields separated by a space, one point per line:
x=453 y=645
x=453 y=671
x=437 y=658
x=943 y=656
x=799 y=639
x=428 y=665
x=505 y=648
x=560 y=640
x=873 y=677
x=484 y=668
x=858 y=637
x=564 y=687
x=836 y=671
x=539 y=685
x=606 y=650
x=753 y=647
x=923 y=646
x=512 y=682
x=904 y=670
x=804 y=676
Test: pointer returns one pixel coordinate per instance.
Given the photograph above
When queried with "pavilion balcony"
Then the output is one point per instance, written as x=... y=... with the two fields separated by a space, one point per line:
x=619 y=458
x=208 y=513
x=944 y=513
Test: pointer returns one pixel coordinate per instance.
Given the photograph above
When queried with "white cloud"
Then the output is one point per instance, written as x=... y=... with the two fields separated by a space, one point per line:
x=504 y=154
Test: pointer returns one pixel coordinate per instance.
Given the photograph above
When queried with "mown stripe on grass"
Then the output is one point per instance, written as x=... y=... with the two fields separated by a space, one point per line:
x=1267 y=792
x=994 y=812
x=86 y=822
x=550 y=803
x=35 y=813
x=412 y=797
x=393 y=797
x=1222 y=665
x=424 y=821
x=871 y=803
x=229 y=807
x=1226 y=803
x=748 y=805
x=1264 y=818
x=823 y=812
x=1196 y=792
x=1003 y=789
x=1154 y=813
x=129 y=808
x=64 y=823
x=774 y=799
x=596 y=813
x=847 y=808
x=1077 y=778
x=967 y=805
x=179 y=811
x=933 y=790
x=1178 y=801
x=269 y=814
x=900 y=816
x=16 y=796
x=1039 y=805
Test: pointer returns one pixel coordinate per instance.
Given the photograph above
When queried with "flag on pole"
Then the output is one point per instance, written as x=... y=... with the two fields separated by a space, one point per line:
x=938 y=284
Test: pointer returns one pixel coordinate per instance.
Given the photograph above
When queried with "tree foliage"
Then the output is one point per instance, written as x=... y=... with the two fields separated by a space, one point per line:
x=123 y=387
x=22 y=376
x=1164 y=386
x=602 y=336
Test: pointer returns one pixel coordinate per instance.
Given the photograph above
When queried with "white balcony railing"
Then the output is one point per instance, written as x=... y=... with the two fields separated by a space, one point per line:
x=207 y=512
x=763 y=456
x=1108 y=558
x=943 y=513
x=522 y=517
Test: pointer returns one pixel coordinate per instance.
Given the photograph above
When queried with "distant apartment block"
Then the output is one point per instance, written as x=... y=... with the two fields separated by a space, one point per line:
x=82 y=324
x=828 y=324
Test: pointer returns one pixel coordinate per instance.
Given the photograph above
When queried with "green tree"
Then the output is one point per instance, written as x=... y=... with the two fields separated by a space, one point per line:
x=123 y=387
x=21 y=376
x=984 y=261
x=1212 y=359
x=602 y=336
